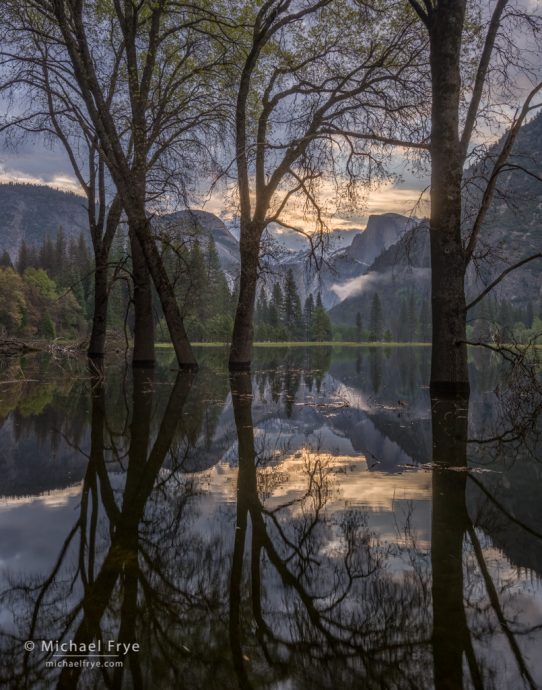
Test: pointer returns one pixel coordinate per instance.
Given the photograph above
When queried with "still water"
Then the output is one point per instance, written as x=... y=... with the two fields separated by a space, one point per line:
x=321 y=523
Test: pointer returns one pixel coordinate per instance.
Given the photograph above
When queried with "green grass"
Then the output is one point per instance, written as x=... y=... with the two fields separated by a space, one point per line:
x=327 y=343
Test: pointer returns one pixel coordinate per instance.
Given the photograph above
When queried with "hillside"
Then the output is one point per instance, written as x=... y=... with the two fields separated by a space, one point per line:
x=31 y=212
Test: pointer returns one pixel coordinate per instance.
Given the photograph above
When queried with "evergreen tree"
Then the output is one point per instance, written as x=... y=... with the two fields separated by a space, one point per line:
x=198 y=307
x=60 y=252
x=308 y=318
x=292 y=307
x=47 y=256
x=217 y=285
x=359 y=328
x=322 y=331
x=24 y=259
x=375 y=322
x=412 y=317
x=262 y=308
x=402 y=327
x=5 y=260
x=276 y=306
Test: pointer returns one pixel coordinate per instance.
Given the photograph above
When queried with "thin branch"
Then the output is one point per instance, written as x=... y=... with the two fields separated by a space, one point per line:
x=500 y=277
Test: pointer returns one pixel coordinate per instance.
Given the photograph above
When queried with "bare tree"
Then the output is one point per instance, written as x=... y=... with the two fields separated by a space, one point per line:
x=160 y=97
x=453 y=125
x=317 y=96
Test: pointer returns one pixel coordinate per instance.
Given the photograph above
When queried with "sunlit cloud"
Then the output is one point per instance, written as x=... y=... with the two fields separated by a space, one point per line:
x=390 y=198
x=61 y=182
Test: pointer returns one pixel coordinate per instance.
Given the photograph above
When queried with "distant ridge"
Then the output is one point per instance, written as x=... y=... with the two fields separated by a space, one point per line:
x=30 y=212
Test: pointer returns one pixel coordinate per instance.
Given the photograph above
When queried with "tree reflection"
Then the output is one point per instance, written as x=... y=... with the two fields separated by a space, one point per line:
x=282 y=583
x=462 y=583
x=343 y=618
x=111 y=583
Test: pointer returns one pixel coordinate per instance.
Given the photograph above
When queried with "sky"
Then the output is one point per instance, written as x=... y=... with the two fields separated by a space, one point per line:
x=37 y=162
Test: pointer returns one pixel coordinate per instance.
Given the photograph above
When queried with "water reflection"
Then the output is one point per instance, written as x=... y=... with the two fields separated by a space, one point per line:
x=320 y=523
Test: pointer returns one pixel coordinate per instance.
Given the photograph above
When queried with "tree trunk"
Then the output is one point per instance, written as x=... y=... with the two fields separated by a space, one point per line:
x=96 y=346
x=143 y=354
x=450 y=639
x=172 y=314
x=243 y=328
x=449 y=372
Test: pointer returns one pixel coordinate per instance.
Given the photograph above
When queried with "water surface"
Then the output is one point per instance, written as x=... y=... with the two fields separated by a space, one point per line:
x=320 y=523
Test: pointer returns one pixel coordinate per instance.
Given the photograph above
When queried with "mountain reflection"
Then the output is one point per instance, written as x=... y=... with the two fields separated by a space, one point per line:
x=320 y=523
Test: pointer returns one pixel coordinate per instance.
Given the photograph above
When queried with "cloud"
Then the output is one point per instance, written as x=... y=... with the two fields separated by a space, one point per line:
x=33 y=162
x=369 y=281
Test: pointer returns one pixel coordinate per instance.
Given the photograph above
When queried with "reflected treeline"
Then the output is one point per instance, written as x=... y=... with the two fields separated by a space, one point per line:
x=300 y=610
x=233 y=560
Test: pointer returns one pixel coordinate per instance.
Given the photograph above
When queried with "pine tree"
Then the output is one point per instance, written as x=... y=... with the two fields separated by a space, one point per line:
x=402 y=328
x=198 y=290
x=375 y=322
x=292 y=307
x=60 y=252
x=23 y=260
x=322 y=331
x=217 y=285
x=359 y=328
x=5 y=260
x=412 y=317
x=47 y=255
x=308 y=317
x=276 y=306
x=262 y=308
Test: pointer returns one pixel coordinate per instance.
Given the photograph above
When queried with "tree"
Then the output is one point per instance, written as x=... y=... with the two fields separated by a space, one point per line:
x=314 y=89
x=276 y=306
x=403 y=329
x=453 y=243
x=359 y=328
x=308 y=317
x=5 y=260
x=12 y=300
x=412 y=317
x=375 y=319
x=217 y=284
x=322 y=331
x=23 y=260
x=159 y=98
x=292 y=307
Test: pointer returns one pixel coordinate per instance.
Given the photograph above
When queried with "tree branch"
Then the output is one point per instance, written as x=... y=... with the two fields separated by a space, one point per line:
x=500 y=277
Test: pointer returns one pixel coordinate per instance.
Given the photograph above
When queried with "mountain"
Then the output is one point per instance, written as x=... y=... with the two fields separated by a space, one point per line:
x=202 y=224
x=31 y=212
x=382 y=232
x=343 y=267
x=512 y=231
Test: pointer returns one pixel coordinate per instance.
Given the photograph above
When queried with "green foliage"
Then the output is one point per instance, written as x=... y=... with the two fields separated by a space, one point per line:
x=281 y=318
x=12 y=300
x=36 y=300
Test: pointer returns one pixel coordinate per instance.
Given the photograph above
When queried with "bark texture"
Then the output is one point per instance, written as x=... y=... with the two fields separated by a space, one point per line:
x=96 y=347
x=143 y=354
x=243 y=329
x=449 y=372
